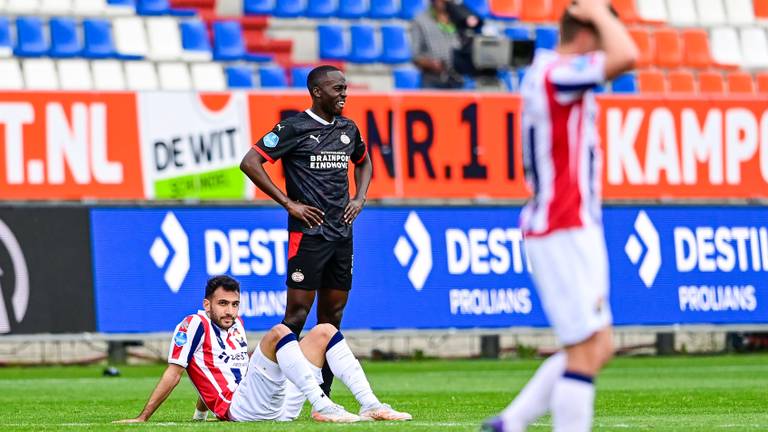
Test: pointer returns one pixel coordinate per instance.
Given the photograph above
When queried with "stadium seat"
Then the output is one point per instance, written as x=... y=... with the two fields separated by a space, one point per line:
x=669 y=52
x=91 y=7
x=755 y=47
x=681 y=81
x=761 y=9
x=120 y=7
x=536 y=11
x=6 y=46
x=228 y=43
x=321 y=8
x=762 y=82
x=108 y=75
x=518 y=32
x=651 y=81
x=97 y=34
x=174 y=76
x=208 y=76
x=74 y=74
x=164 y=38
x=645 y=47
x=394 y=44
x=352 y=9
x=407 y=78
x=740 y=82
x=332 y=41
x=366 y=48
x=505 y=9
x=299 y=76
x=40 y=74
x=682 y=13
x=272 y=76
x=558 y=7
x=240 y=76
x=652 y=11
x=258 y=7
x=480 y=7
x=30 y=39
x=696 y=52
x=409 y=9
x=130 y=38
x=194 y=41
x=625 y=83
x=19 y=7
x=508 y=78
x=55 y=7
x=711 y=12
x=726 y=51
x=546 y=37
x=740 y=12
x=11 y=73
x=141 y=75
x=711 y=82
x=627 y=10
x=384 y=9
x=64 y=40
x=289 y=8
x=160 y=7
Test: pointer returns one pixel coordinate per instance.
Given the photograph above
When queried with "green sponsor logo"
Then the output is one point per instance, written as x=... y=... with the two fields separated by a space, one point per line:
x=228 y=183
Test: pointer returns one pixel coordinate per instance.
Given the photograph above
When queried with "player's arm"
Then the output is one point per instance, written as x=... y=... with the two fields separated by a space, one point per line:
x=163 y=389
x=363 y=173
x=620 y=50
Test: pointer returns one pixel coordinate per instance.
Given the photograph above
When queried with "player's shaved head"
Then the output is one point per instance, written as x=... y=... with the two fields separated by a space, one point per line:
x=317 y=74
x=225 y=282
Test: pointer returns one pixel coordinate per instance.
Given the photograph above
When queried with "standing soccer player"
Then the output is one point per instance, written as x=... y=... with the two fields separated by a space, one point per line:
x=562 y=222
x=316 y=147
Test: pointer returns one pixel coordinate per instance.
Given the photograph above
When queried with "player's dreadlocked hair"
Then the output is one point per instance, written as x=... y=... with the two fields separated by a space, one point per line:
x=570 y=26
x=317 y=73
x=223 y=281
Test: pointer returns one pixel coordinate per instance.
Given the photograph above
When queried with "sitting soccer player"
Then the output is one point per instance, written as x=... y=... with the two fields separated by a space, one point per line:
x=280 y=375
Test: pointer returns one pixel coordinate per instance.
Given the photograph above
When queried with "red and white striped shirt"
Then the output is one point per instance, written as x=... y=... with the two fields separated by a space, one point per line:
x=561 y=144
x=216 y=360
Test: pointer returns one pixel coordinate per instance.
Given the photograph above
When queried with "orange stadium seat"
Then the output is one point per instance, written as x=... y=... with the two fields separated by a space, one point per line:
x=536 y=11
x=627 y=10
x=681 y=81
x=651 y=81
x=669 y=52
x=740 y=82
x=642 y=38
x=761 y=8
x=711 y=82
x=762 y=82
x=505 y=8
x=558 y=7
x=696 y=49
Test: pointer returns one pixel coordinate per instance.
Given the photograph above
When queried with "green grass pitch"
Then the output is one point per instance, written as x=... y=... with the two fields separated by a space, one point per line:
x=723 y=393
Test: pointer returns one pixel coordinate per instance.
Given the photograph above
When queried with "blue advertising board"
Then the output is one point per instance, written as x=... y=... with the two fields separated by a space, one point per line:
x=429 y=267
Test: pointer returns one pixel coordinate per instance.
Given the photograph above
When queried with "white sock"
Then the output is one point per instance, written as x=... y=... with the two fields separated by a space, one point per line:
x=573 y=400
x=345 y=366
x=297 y=369
x=533 y=401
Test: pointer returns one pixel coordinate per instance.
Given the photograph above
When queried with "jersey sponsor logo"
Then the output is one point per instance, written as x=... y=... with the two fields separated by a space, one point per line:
x=270 y=140
x=329 y=160
x=344 y=138
x=180 y=338
x=20 y=285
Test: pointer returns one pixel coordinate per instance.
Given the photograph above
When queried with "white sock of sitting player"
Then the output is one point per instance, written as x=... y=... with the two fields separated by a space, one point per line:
x=535 y=398
x=347 y=368
x=298 y=370
x=573 y=400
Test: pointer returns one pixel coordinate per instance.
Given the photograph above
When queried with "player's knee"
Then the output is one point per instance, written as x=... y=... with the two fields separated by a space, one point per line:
x=332 y=316
x=326 y=330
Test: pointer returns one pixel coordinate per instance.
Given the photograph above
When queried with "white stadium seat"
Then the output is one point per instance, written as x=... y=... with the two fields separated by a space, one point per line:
x=229 y=7
x=652 y=10
x=754 y=45
x=682 y=12
x=108 y=75
x=89 y=7
x=711 y=12
x=75 y=74
x=208 y=77
x=724 y=43
x=17 y=7
x=164 y=38
x=56 y=7
x=141 y=75
x=40 y=74
x=11 y=73
x=174 y=76
x=740 y=12
x=130 y=36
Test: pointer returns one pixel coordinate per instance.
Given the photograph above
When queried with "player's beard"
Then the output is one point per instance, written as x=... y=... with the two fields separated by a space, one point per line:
x=219 y=320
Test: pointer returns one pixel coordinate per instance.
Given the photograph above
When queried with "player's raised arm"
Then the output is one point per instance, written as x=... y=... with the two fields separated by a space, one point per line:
x=620 y=50
x=163 y=389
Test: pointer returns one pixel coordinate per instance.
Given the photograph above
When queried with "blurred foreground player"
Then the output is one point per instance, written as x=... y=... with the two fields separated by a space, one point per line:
x=281 y=374
x=562 y=222
x=316 y=146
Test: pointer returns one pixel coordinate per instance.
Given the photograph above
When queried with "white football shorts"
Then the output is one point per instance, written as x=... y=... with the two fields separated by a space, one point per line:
x=570 y=270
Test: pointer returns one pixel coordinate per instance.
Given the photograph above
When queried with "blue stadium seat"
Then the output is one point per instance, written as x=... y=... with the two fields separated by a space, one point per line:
x=321 y=8
x=508 y=78
x=5 y=35
x=411 y=8
x=521 y=74
x=480 y=7
x=625 y=83
x=333 y=43
x=546 y=37
x=97 y=34
x=407 y=78
x=228 y=43
x=240 y=76
x=352 y=9
x=299 y=76
x=518 y=33
x=365 y=47
x=394 y=44
x=289 y=8
x=64 y=40
x=194 y=36
x=258 y=7
x=131 y=3
x=272 y=76
x=30 y=39
x=384 y=9
x=160 y=7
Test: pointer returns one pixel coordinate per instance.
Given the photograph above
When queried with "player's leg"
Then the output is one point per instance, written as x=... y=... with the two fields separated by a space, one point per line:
x=307 y=256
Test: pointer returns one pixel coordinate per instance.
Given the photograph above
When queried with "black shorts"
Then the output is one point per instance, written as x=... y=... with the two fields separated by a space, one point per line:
x=315 y=263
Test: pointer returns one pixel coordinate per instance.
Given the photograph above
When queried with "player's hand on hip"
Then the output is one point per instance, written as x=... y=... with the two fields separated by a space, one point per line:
x=311 y=216
x=353 y=209
x=131 y=420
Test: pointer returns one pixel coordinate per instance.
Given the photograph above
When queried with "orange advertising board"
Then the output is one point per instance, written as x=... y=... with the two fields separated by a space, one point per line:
x=69 y=146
